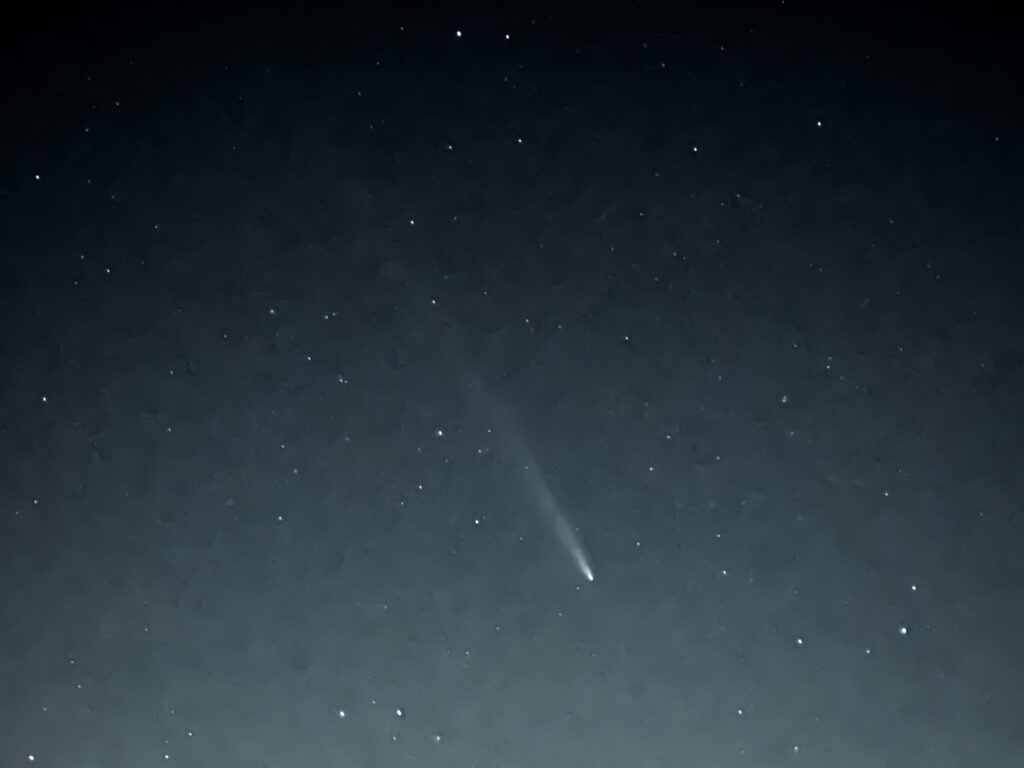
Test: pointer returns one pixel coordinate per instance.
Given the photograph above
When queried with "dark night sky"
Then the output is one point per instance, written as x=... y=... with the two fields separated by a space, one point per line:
x=338 y=350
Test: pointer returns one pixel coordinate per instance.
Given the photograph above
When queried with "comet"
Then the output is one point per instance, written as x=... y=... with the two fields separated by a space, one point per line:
x=550 y=510
x=537 y=485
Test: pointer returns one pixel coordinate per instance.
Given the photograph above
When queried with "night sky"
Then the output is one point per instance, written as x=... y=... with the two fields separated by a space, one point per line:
x=532 y=388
